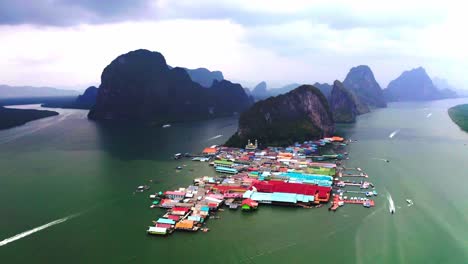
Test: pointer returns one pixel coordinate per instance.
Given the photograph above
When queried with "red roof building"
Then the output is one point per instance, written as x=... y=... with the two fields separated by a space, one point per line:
x=322 y=193
x=163 y=225
x=229 y=188
x=181 y=209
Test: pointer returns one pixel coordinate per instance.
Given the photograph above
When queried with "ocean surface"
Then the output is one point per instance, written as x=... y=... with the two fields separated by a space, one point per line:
x=67 y=195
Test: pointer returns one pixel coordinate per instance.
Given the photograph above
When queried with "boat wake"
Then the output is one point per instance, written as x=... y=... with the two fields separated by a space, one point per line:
x=34 y=230
x=215 y=137
x=429 y=115
x=386 y=160
x=394 y=133
x=391 y=204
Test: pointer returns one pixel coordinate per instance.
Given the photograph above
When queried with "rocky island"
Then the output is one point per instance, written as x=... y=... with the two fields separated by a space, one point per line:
x=362 y=82
x=345 y=105
x=415 y=85
x=85 y=101
x=299 y=115
x=204 y=76
x=140 y=86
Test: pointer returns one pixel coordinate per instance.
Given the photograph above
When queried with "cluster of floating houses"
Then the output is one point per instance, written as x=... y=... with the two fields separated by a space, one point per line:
x=294 y=176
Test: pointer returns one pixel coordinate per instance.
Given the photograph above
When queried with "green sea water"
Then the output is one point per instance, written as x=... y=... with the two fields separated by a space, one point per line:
x=70 y=182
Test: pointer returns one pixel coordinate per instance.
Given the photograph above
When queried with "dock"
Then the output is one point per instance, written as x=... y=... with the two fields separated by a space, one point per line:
x=250 y=178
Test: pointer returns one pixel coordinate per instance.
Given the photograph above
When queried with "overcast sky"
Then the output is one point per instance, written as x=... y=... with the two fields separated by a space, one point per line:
x=68 y=43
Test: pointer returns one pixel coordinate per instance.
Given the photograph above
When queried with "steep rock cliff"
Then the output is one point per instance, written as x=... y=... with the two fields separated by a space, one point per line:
x=299 y=115
x=139 y=86
x=345 y=105
x=362 y=82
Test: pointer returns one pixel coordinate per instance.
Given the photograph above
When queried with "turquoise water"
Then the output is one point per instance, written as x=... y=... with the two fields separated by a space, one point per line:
x=82 y=175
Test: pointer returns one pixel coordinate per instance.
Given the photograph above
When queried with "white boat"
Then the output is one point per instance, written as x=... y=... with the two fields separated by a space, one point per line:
x=409 y=201
x=166 y=126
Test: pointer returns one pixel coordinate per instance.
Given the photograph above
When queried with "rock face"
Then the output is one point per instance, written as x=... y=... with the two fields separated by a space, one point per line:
x=236 y=96
x=413 y=85
x=139 y=86
x=88 y=99
x=299 y=115
x=260 y=91
x=205 y=77
x=325 y=88
x=345 y=105
x=362 y=82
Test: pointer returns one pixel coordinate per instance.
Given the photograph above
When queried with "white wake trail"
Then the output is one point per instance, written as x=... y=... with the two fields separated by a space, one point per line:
x=394 y=133
x=379 y=159
x=215 y=137
x=34 y=230
x=391 y=204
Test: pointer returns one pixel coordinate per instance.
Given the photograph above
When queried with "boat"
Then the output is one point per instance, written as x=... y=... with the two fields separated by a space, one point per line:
x=178 y=167
x=375 y=193
x=142 y=188
x=177 y=155
x=166 y=126
x=409 y=201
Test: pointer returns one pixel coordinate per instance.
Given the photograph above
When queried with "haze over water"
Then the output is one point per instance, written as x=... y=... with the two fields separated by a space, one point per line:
x=66 y=166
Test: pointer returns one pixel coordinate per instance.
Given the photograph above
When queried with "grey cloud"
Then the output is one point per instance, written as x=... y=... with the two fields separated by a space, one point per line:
x=72 y=12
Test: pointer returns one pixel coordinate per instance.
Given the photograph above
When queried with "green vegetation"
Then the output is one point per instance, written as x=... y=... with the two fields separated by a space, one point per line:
x=285 y=119
x=459 y=115
x=15 y=117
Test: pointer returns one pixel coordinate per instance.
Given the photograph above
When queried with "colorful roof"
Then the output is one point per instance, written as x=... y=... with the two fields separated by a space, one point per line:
x=249 y=202
x=174 y=217
x=185 y=224
x=278 y=197
x=174 y=193
x=183 y=209
x=163 y=225
x=209 y=150
x=288 y=187
x=166 y=221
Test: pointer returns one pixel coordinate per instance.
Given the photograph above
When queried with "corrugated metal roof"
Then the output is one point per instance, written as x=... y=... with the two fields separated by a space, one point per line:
x=166 y=221
x=284 y=197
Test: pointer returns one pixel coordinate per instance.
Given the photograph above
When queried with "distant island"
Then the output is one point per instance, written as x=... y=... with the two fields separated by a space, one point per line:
x=140 y=86
x=14 y=117
x=261 y=91
x=361 y=81
x=416 y=85
x=8 y=92
x=85 y=101
x=459 y=115
x=299 y=115
x=204 y=76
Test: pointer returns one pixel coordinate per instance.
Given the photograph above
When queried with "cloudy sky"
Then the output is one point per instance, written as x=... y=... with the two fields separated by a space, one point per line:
x=67 y=43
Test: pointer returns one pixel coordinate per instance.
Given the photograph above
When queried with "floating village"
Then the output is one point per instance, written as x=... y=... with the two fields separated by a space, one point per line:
x=247 y=179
